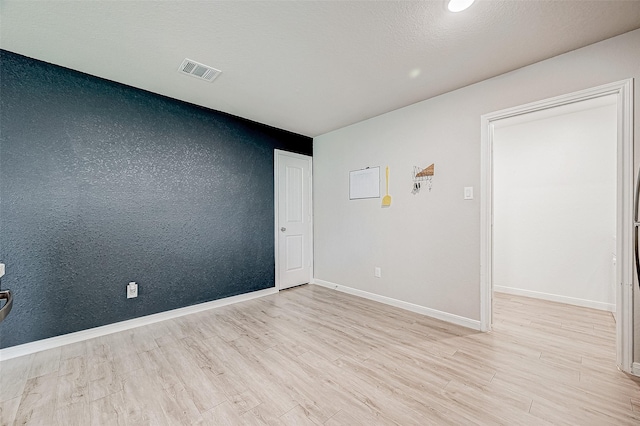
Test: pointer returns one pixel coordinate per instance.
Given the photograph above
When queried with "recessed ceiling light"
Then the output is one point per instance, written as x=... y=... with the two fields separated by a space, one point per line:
x=415 y=72
x=459 y=5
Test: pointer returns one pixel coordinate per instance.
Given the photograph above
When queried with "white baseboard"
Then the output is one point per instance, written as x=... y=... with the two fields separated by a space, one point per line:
x=635 y=368
x=611 y=307
x=433 y=313
x=78 y=336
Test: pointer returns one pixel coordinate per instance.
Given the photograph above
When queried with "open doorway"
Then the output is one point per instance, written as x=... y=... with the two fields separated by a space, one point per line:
x=554 y=204
x=618 y=93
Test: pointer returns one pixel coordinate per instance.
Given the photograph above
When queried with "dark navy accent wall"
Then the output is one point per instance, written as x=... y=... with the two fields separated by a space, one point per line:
x=102 y=184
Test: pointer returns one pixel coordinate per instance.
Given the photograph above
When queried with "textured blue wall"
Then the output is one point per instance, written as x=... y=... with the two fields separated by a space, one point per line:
x=102 y=184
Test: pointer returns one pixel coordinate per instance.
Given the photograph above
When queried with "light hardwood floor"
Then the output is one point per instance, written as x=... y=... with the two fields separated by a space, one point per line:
x=314 y=356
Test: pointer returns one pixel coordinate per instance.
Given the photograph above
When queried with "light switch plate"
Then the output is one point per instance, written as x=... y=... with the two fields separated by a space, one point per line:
x=1 y=269
x=468 y=192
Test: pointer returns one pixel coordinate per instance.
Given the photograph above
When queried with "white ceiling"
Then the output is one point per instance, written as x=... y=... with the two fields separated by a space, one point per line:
x=306 y=66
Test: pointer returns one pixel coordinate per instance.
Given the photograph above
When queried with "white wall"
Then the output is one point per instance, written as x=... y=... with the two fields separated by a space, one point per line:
x=554 y=183
x=428 y=245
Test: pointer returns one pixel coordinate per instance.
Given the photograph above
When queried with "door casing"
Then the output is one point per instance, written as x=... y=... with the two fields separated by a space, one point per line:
x=624 y=210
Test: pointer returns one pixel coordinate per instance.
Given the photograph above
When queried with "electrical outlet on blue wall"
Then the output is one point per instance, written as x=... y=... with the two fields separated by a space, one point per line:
x=132 y=290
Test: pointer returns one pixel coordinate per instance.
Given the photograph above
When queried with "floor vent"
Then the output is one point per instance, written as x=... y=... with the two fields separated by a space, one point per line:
x=198 y=70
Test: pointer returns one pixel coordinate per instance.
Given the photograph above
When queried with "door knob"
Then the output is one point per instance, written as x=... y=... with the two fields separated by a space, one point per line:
x=283 y=229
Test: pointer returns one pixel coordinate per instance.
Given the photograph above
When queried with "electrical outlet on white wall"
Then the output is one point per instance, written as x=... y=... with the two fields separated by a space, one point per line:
x=377 y=272
x=468 y=192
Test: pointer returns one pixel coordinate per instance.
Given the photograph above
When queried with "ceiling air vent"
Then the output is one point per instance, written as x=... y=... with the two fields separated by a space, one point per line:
x=199 y=70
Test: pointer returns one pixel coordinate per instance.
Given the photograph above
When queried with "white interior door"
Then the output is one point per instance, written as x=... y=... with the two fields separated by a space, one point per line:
x=294 y=257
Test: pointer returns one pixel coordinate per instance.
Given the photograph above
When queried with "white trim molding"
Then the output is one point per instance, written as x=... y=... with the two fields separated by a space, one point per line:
x=624 y=216
x=585 y=303
x=78 y=336
x=423 y=310
x=635 y=369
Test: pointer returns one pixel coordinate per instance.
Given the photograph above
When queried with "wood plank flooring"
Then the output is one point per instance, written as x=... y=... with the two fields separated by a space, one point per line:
x=313 y=356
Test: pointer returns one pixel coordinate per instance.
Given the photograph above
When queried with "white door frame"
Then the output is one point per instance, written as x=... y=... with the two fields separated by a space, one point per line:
x=624 y=211
x=276 y=193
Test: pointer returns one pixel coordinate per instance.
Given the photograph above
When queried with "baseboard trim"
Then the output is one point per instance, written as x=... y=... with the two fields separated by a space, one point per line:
x=433 y=313
x=610 y=307
x=78 y=336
